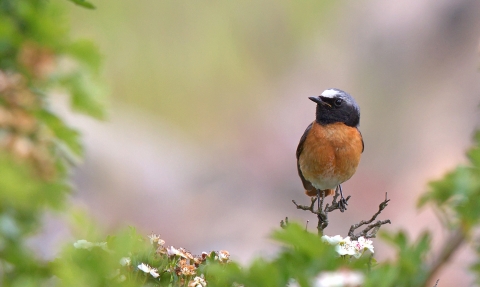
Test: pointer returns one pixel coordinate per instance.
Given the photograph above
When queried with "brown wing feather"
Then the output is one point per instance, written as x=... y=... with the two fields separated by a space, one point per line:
x=306 y=184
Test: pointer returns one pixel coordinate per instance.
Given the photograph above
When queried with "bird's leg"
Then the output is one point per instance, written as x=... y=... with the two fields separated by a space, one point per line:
x=342 y=203
x=318 y=199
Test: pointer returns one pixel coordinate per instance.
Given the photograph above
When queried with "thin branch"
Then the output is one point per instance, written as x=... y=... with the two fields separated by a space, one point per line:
x=305 y=207
x=372 y=228
x=322 y=212
x=283 y=224
x=455 y=240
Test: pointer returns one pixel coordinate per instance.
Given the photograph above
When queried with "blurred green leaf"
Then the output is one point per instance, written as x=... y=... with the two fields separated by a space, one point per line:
x=85 y=94
x=33 y=169
x=304 y=242
x=70 y=137
x=453 y=194
x=83 y=3
x=86 y=52
x=8 y=38
x=21 y=189
x=409 y=268
x=474 y=153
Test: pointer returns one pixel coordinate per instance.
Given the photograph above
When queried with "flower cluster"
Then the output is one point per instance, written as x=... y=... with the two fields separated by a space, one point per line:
x=345 y=246
x=177 y=266
x=181 y=262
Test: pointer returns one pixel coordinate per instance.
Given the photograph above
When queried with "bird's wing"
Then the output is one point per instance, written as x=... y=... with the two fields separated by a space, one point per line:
x=306 y=184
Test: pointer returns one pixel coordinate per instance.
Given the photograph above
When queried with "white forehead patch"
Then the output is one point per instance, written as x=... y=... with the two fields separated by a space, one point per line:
x=329 y=93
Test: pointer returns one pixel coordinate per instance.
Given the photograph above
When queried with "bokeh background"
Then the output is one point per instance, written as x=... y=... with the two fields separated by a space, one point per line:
x=208 y=100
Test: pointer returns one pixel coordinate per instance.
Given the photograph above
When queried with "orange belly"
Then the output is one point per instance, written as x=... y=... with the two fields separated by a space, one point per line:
x=330 y=155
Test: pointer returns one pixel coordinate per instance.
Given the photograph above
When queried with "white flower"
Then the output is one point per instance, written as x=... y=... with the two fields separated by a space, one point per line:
x=223 y=255
x=332 y=240
x=361 y=245
x=184 y=253
x=171 y=251
x=125 y=261
x=154 y=272
x=343 y=278
x=365 y=244
x=148 y=269
x=83 y=244
x=144 y=267
x=155 y=239
x=345 y=247
x=197 y=282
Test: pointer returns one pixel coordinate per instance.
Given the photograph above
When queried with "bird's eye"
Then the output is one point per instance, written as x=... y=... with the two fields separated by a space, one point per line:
x=338 y=102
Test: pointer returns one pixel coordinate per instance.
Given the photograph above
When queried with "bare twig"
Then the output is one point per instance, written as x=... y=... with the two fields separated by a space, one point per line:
x=284 y=224
x=372 y=228
x=322 y=212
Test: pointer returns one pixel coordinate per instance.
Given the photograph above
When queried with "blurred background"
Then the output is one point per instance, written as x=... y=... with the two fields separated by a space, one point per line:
x=208 y=101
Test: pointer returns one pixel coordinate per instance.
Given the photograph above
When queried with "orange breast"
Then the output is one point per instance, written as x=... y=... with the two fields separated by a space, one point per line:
x=330 y=155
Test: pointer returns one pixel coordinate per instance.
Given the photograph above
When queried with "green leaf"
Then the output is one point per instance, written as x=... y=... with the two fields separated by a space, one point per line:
x=68 y=136
x=305 y=242
x=83 y=3
x=85 y=94
x=474 y=153
x=86 y=52
x=23 y=191
x=409 y=268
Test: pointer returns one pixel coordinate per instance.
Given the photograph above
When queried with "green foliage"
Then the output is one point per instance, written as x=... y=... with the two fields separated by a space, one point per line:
x=409 y=269
x=128 y=259
x=83 y=3
x=99 y=265
x=303 y=256
x=453 y=194
x=34 y=42
x=37 y=148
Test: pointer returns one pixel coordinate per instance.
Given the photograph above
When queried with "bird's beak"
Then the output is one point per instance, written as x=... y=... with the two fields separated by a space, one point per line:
x=316 y=100
x=319 y=101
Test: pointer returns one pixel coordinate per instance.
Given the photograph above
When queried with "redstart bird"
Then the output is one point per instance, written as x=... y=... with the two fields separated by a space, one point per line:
x=329 y=150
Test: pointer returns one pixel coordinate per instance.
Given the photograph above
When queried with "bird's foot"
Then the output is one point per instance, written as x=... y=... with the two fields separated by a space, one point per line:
x=342 y=203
